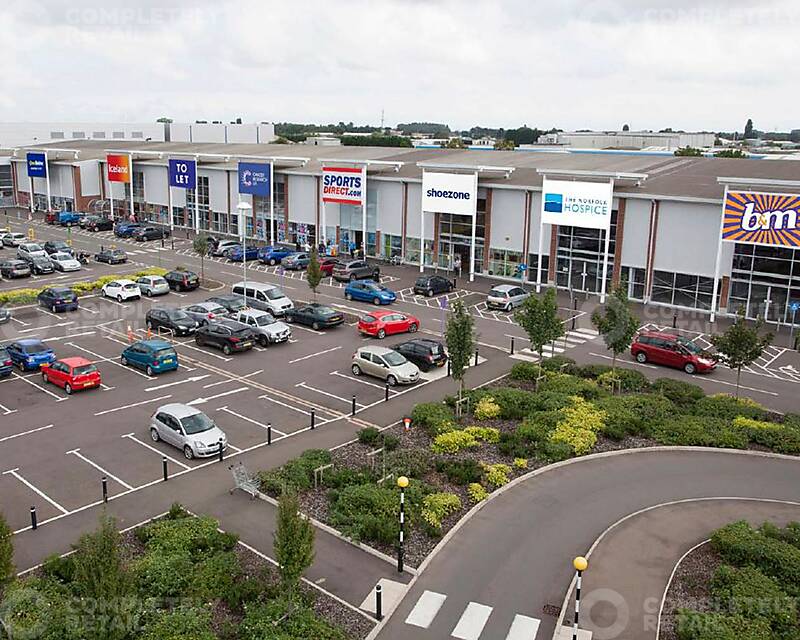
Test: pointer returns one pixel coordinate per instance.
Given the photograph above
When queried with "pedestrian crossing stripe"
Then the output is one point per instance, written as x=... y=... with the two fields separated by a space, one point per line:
x=472 y=621
x=523 y=628
x=425 y=609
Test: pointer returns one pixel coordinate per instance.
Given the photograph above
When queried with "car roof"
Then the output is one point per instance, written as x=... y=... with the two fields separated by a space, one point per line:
x=75 y=361
x=178 y=410
x=381 y=313
x=379 y=351
x=226 y=296
x=207 y=304
x=155 y=344
x=227 y=322
x=26 y=342
x=62 y=289
x=504 y=287
x=62 y=253
x=254 y=313
x=422 y=341
x=659 y=334
x=124 y=281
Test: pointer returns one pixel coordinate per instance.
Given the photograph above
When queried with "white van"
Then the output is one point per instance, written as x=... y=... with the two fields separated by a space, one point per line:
x=266 y=297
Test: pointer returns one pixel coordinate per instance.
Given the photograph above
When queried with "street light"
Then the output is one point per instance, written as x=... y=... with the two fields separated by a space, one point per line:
x=244 y=209
x=580 y=563
x=402 y=482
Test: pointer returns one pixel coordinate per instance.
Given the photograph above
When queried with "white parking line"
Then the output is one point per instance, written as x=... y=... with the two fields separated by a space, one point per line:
x=52 y=315
x=250 y=420
x=135 y=404
x=131 y=436
x=229 y=380
x=70 y=336
x=309 y=329
x=40 y=388
x=47 y=326
x=77 y=454
x=305 y=412
x=6 y=411
x=354 y=379
x=111 y=360
x=194 y=348
x=25 y=433
x=172 y=384
x=24 y=324
x=312 y=355
x=89 y=309
x=13 y=472
x=325 y=393
x=219 y=395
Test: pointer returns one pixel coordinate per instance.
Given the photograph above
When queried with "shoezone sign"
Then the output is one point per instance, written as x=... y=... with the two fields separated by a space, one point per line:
x=761 y=218
x=345 y=185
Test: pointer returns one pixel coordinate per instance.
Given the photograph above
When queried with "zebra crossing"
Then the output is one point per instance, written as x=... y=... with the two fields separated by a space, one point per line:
x=472 y=620
x=569 y=340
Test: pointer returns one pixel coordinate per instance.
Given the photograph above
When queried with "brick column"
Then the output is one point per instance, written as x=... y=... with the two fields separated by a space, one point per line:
x=724 y=292
x=551 y=267
x=487 y=230
x=618 y=243
x=377 y=242
x=651 y=250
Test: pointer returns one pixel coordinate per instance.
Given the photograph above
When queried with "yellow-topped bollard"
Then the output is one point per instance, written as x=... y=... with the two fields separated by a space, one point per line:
x=402 y=482
x=580 y=563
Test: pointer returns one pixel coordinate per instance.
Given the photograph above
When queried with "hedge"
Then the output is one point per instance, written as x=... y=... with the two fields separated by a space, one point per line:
x=718 y=626
x=727 y=407
x=681 y=393
x=296 y=474
x=750 y=593
x=433 y=417
x=700 y=431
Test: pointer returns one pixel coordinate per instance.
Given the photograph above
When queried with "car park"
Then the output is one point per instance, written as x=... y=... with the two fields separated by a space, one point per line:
x=58 y=299
x=427 y=354
x=30 y=353
x=205 y=312
x=369 y=291
x=239 y=253
x=111 y=256
x=14 y=269
x=69 y=218
x=14 y=239
x=267 y=329
x=317 y=316
x=5 y=315
x=327 y=265
x=40 y=265
x=142 y=234
x=296 y=261
x=266 y=297
x=672 y=351
x=432 y=285
x=182 y=280
x=121 y=289
x=71 y=374
x=232 y=303
x=383 y=323
x=98 y=223
x=65 y=262
x=152 y=286
x=230 y=336
x=153 y=356
x=506 y=297
x=29 y=250
x=57 y=246
x=223 y=246
x=356 y=270
x=273 y=255
x=6 y=363
x=176 y=321
x=188 y=429
x=385 y=364
x=126 y=229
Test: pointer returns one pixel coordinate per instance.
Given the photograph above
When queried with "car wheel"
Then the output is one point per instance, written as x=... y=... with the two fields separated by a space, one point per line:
x=54 y=309
x=148 y=293
x=21 y=366
x=119 y=298
x=263 y=341
x=226 y=349
x=356 y=370
x=429 y=292
x=188 y=453
x=507 y=308
x=381 y=334
x=124 y=361
x=376 y=302
x=199 y=341
x=641 y=357
x=352 y=277
x=315 y=326
x=689 y=368
x=289 y=318
x=272 y=262
x=347 y=296
x=68 y=389
x=412 y=328
x=44 y=377
x=391 y=381
x=154 y=435
x=149 y=371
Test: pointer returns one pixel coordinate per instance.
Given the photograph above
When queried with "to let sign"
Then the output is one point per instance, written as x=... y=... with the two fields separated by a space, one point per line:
x=183 y=174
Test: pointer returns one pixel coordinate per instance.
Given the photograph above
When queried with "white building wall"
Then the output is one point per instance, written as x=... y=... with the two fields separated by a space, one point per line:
x=414 y=208
x=636 y=233
x=217 y=192
x=390 y=206
x=507 y=219
x=535 y=217
x=687 y=237
x=90 y=177
x=303 y=200
x=155 y=184
x=15 y=134
x=61 y=184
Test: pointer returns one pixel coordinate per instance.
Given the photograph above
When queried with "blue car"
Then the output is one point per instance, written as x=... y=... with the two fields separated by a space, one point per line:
x=5 y=363
x=126 y=229
x=29 y=354
x=273 y=255
x=69 y=218
x=369 y=291
x=154 y=356
x=237 y=253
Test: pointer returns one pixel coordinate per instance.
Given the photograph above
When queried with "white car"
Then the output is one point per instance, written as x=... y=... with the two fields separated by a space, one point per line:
x=29 y=250
x=64 y=262
x=13 y=239
x=153 y=285
x=122 y=290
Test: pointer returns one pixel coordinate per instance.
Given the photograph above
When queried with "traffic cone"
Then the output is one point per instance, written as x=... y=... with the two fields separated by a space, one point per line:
x=149 y=333
x=130 y=334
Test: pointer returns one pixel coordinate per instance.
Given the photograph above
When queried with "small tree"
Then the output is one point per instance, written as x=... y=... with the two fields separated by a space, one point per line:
x=626 y=127
x=293 y=542
x=201 y=247
x=539 y=318
x=616 y=323
x=503 y=144
x=99 y=571
x=7 y=570
x=688 y=151
x=460 y=338
x=741 y=345
x=313 y=272
x=748 y=129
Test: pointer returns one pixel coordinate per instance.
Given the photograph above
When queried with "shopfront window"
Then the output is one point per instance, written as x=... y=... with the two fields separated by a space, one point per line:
x=635 y=279
x=392 y=245
x=682 y=290
x=765 y=281
x=581 y=252
x=504 y=263
x=201 y=193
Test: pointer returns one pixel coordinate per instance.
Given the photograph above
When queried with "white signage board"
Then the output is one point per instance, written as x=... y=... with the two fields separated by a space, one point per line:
x=450 y=193
x=577 y=204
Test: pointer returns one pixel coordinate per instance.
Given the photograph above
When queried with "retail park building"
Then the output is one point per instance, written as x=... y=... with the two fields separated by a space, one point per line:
x=654 y=222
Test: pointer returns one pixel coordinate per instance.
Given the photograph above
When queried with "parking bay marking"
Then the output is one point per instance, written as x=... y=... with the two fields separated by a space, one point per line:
x=229 y=380
x=318 y=353
x=172 y=384
x=219 y=395
x=135 y=404
x=325 y=393
x=48 y=392
x=111 y=360
x=131 y=436
x=250 y=420
x=78 y=454
x=39 y=492
x=353 y=379
x=303 y=411
x=25 y=433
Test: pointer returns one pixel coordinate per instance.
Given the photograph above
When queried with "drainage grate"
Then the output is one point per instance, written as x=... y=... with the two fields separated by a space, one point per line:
x=551 y=610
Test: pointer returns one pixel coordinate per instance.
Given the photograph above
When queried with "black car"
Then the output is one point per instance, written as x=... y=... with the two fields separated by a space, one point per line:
x=356 y=270
x=423 y=352
x=57 y=246
x=111 y=256
x=234 y=304
x=98 y=223
x=182 y=280
x=40 y=265
x=226 y=335
x=58 y=299
x=317 y=316
x=150 y=233
x=178 y=322
x=432 y=285
x=14 y=269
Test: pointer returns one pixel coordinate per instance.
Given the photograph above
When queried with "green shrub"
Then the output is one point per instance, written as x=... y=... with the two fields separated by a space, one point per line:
x=750 y=593
x=339 y=477
x=681 y=393
x=453 y=442
x=554 y=451
x=538 y=426
x=578 y=426
x=718 y=626
x=514 y=404
x=727 y=408
x=476 y=492
x=550 y=401
x=35 y=608
x=527 y=371
x=653 y=409
x=485 y=434
x=165 y=575
x=700 y=432
x=520 y=463
x=369 y=436
x=436 y=507
x=626 y=380
x=61 y=569
x=434 y=417
x=558 y=364
x=781 y=438
x=487 y=409
x=790 y=533
x=413 y=463
x=296 y=475
x=280 y=620
x=390 y=442
x=185 y=623
x=572 y=386
x=496 y=475
x=513 y=445
x=195 y=536
x=621 y=420
x=215 y=577
x=460 y=472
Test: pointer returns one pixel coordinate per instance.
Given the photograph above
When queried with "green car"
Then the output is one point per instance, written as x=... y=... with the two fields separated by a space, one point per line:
x=316 y=316
x=154 y=356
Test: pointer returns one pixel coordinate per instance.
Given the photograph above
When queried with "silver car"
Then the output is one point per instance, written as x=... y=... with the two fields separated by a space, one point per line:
x=30 y=250
x=153 y=286
x=386 y=364
x=268 y=330
x=65 y=262
x=205 y=312
x=188 y=429
x=506 y=297
x=13 y=239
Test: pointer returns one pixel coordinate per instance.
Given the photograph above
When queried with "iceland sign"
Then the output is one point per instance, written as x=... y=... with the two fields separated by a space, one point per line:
x=761 y=218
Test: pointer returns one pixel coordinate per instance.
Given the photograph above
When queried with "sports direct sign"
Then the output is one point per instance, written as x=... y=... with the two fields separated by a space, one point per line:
x=762 y=218
x=345 y=185
x=577 y=204
x=450 y=193
x=118 y=168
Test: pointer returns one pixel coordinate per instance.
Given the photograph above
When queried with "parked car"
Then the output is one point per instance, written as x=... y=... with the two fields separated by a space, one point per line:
x=205 y=312
x=267 y=329
x=14 y=239
x=41 y=265
x=29 y=250
x=423 y=352
x=58 y=299
x=57 y=246
x=673 y=351
x=5 y=315
x=317 y=316
x=154 y=356
x=385 y=364
x=121 y=289
x=143 y=234
x=382 y=323
x=237 y=254
x=266 y=297
x=327 y=265
x=506 y=297
x=71 y=374
x=273 y=255
x=223 y=246
x=295 y=261
x=176 y=321
x=369 y=291
x=356 y=270
x=226 y=335
x=51 y=217
x=432 y=285
x=6 y=363
x=111 y=256
x=182 y=280
x=153 y=286
x=14 y=269
x=188 y=429
x=232 y=303
x=126 y=229
x=87 y=220
x=69 y=218
x=30 y=353
x=99 y=223
x=65 y=262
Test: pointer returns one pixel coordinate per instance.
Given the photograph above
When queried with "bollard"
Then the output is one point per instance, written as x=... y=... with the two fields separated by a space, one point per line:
x=354 y=405
x=454 y=284
x=386 y=396
x=378 y=603
x=674 y=319
x=476 y=357
x=574 y=308
x=105 y=488
x=313 y=420
x=512 y=345
x=34 y=524
x=269 y=433
x=219 y=443
x=448 y=367
x=164 y=467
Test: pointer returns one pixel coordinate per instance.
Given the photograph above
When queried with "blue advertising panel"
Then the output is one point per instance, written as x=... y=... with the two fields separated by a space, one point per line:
x=254 y=178
x=183 y=174
x=37 y=165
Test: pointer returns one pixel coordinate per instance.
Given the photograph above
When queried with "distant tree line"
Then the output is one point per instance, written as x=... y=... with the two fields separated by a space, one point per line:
x=375 y=141
x=289 y=129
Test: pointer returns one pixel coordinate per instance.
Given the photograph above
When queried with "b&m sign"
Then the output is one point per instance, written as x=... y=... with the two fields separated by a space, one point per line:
x=118 y=168
x=344 y=185
x=183 y=174
x=37 y=165
x=761 y=218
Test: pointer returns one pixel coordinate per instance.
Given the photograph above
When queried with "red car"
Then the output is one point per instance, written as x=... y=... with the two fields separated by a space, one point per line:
x=673 y=351
x=51 y=217
x=383 y=323
x=73 y=374
x=326 y=265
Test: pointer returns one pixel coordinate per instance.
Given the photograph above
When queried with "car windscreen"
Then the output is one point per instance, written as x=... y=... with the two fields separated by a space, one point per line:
x=498 y=293
x=177 y=316
x=436 y=348
x=166 y=352
x=33 y=247
x=264 y=321
x=244 y=332
x=368 y=319
x=62 y=256
x=236 y=303
x=117 y=252
x=394 y=359
x=63 y=293
x=36 y=347
x=197 y=423
x=690 y=346
x=84 y=370
x=130 y=286
x=422 y=282
x=325 y=311
x=274 y=294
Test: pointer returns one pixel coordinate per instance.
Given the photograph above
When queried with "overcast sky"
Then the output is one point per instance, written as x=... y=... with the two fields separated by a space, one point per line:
x=564 y=63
